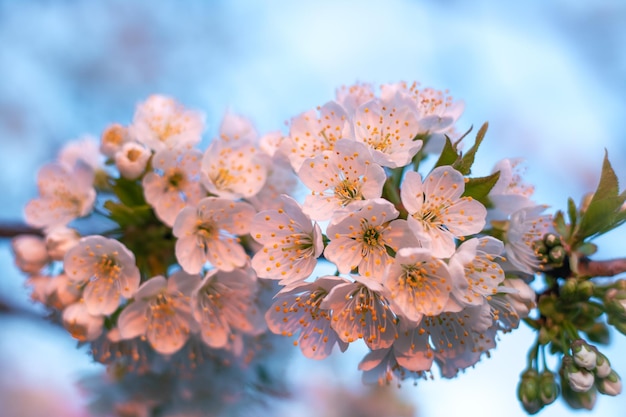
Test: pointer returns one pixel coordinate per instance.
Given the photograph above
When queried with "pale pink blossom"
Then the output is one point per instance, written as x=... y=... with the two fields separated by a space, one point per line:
x=112 y=139
x=30 y=252
x=340 y=177
x=291 y=243
x=526 y=226
x=208 y=233
x=107 y=270
x=132 y=159
x=81 y=324
x=174 y=183
x=437 y=210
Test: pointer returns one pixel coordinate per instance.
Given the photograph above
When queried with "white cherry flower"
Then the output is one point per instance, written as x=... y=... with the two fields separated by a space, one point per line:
x=174 y=183
x=64 y=195
x=233 y=170
x=224 y=303
x=361 y=238
x=388 y=128
x=353 y=96
x=162 y=123
x=161 y=311
x=437 y=212
x=526 y=226
x=131 y=160
x=311 y=134
x=340 y=177
x=474 y=265
x=297 y=311
x=419 y=284
x=291 y=243
x=360 y=310
x=83 y=151
x=208 y=233
x=106 y=268
x=510 y=193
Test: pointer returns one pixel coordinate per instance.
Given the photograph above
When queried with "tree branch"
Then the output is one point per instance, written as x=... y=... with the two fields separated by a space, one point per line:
x=608 y=268
x=9 y=230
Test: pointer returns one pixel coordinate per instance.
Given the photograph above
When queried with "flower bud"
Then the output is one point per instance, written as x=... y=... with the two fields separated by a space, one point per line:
x=556 y=255
x=551 y=240
x=603 y=366
x=30 y=252
x=584 y=354
x=615 y=301
x=580 y=380
x=113 y=137
x=578 y=400
x=528 y=391
x=611 y=385
x=584 y=290
x=568 y=290
x=132 y=159
x=59 y=240
x=548 y=388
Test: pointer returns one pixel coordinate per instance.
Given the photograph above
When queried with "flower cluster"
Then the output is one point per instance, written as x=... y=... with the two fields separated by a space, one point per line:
x=430 y=261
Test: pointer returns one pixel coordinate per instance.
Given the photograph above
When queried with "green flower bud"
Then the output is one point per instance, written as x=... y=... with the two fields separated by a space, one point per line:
x=548 y=387
x=611 y=385
x=615 y=301
x=603 y=366
x=598 y=333
x=578 y=400
x=540 y=247
x=568 y=290
x=584 y=290
x=584 y=354
x=528 y=392
x=551 y=240
x=557 y=255
x=547 y=305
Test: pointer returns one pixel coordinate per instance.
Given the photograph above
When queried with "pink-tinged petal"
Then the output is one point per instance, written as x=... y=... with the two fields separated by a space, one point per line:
x=186 y=222
x=80 y=324
x=167 y=335
x=133 y=320
x=151 y=288
x=373 y=181
x=226 y=254
x=444 y=182
x=189 y=255
x=411 y=192
x=320 y=207
x=345 y=253
x=413 y=351
x=183 y=283
x=465 y=217
x=102 y=296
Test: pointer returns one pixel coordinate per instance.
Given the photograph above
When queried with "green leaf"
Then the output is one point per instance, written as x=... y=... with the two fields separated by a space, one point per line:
x=449 y=155
x=129 y=192
x=479 y=188
x=587 y=249
x=572 y=212
x=465 y=164
x=128 y=216
x=560 y=225
x=603 y=213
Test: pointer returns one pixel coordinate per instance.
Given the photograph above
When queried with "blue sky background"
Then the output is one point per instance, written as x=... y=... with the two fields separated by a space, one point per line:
x=550 y=77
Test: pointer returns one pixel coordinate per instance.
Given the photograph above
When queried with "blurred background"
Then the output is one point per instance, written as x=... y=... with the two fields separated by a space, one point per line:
x=550 y=77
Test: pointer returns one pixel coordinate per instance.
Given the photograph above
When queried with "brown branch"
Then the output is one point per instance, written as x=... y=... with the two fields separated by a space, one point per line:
x=608 y=268
x=9 y=230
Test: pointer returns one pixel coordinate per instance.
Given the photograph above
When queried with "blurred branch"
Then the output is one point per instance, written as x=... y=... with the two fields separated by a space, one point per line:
x=608 y=268
x=6 y=308
x=9 y=230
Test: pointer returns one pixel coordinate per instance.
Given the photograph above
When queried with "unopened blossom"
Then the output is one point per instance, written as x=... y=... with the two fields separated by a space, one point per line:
x=419 y=283
x=64 y=195
x=584 y=354
x=474 y=264
x=610 y=385
x=59 y=240
x=162 y=123
x=30 y=252
x=131 y=160
x=297 y=311
x=82 y=325
x=291 y=243
x=233 y=170
x=174 y=183
x=361 y=310
x=360 y=239
x=526 y=226
x=112 y=139
x=208 y=233
x=107 y=270
x=339 y=178
x=437 y=210
x=314 y=132
x=388 y=128
x=161 y=311
x=603 y=366
x=225 y=303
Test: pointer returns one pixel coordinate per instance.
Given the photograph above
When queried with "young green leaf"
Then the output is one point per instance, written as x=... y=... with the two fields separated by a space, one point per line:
x=464 y=165
x=479 y=188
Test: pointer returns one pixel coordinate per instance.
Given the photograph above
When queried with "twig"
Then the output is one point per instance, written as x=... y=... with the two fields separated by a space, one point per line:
x=9 y=230
x=608 y=268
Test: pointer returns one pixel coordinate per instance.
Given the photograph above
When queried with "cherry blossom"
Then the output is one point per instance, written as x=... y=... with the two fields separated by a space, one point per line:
x=526 y=226
x=437 y=212
x=340 y=177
